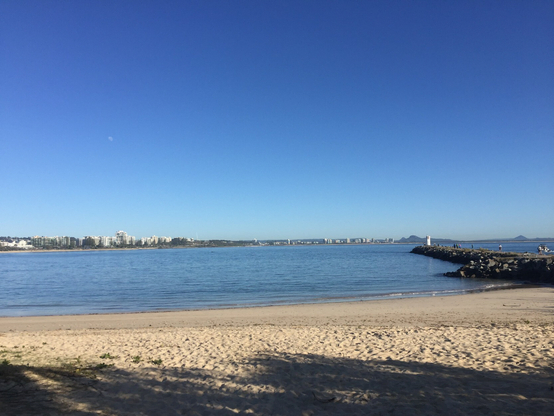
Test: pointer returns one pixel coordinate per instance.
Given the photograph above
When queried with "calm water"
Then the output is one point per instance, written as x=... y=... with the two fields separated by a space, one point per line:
x=147 y=280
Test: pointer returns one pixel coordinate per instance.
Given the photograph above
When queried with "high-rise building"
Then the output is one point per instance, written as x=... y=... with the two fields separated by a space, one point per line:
x=121 y=238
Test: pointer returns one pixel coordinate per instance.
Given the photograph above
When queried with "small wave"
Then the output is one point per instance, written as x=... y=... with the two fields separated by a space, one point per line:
x=372 y=296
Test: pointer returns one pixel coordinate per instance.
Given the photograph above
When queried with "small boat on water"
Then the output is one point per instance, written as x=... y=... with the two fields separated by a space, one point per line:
x=542 y=248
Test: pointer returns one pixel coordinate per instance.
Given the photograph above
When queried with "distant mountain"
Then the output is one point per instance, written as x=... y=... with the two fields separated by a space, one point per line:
x=411 y=239
x=416 y=239
x=521 y=238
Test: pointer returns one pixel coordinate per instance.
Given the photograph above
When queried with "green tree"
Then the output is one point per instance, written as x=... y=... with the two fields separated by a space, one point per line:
x=89 y=242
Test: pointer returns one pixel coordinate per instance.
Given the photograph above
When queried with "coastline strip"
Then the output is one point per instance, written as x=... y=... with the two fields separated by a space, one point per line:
x=444 y=310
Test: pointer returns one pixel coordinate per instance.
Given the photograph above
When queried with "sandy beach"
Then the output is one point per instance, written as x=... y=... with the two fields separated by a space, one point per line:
x=482 y=353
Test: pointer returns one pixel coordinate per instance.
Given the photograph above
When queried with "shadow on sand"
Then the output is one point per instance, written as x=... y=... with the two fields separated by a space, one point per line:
x=278 y=384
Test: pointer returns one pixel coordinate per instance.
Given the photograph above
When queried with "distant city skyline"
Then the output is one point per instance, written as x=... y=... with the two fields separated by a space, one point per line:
x=314 y=236
x=277 y=120
x=122 y=238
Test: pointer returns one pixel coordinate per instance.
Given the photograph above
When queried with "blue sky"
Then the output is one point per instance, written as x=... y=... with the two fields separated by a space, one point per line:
x=277 y=119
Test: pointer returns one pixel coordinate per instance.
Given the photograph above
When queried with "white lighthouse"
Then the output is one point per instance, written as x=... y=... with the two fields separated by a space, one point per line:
x=428 y=242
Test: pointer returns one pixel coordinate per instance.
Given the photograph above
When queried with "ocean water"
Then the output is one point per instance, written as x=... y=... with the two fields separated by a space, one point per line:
x=81 y=282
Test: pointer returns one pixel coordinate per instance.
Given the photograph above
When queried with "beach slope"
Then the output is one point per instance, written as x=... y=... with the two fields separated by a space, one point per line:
x=482 y=353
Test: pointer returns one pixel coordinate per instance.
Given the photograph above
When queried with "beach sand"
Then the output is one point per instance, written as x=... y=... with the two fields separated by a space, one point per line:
x=483 y=353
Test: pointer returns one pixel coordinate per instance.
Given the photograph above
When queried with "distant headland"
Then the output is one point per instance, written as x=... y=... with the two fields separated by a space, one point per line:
x=519 y=239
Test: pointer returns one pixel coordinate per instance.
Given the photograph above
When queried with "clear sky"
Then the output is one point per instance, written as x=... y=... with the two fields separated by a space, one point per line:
x=277 y=119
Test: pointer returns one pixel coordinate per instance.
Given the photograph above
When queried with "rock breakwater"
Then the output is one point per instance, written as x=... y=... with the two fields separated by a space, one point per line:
x=493 y=264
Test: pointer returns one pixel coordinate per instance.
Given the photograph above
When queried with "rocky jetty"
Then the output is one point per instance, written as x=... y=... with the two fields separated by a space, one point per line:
x=494 y=264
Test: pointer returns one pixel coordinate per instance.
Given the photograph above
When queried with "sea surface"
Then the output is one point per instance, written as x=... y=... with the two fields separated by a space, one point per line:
x=82 y=282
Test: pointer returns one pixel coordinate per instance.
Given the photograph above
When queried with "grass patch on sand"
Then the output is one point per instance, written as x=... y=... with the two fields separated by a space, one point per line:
x=109 y=356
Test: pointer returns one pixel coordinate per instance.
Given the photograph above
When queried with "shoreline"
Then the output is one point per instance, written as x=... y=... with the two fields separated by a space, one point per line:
x=80 y=250
x=323 y=301
x=456 y=309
